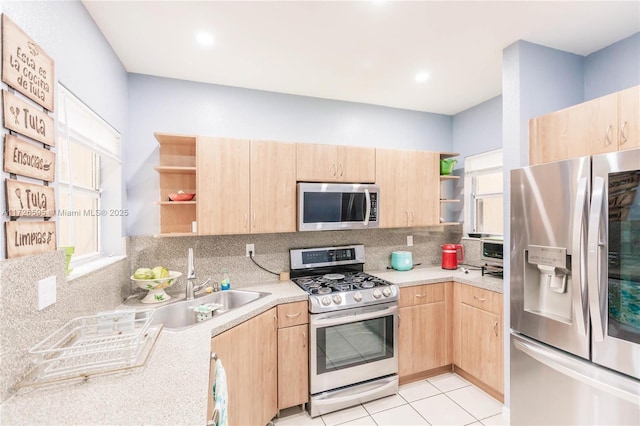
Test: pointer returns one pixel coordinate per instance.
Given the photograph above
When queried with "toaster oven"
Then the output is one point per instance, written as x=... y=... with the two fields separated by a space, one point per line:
x=491 y=251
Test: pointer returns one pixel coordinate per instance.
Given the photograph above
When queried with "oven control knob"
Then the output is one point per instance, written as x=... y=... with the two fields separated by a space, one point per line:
x=326 y=301
x=357 y=297
x=376 y=293
x=337 y=299
x=386 y=291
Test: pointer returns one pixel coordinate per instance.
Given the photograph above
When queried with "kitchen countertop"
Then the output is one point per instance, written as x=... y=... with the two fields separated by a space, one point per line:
x=169 y=389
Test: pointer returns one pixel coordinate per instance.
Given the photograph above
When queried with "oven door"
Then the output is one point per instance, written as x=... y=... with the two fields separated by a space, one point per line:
x=353 y=345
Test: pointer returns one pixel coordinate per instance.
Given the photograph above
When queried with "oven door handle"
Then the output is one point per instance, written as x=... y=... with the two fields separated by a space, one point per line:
x=348 y=318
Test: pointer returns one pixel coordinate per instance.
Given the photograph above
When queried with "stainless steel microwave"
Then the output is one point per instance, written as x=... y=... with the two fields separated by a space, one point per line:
x=334 y=206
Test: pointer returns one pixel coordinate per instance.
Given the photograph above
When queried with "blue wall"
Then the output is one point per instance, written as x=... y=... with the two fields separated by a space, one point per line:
x=176 y=106
x=613 y=68
x=478 y=129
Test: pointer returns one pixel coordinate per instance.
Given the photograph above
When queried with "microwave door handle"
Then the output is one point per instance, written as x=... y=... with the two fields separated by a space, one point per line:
x=579 y=276
x=365 y=222
x=597 y=303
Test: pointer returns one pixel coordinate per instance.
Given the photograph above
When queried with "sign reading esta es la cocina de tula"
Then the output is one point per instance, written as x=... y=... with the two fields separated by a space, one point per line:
x=25 y=66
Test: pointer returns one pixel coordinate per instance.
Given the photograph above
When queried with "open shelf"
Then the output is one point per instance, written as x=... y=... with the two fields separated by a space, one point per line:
x=175 y=169
x=449 y=201
x=444 y=155
x=175 y=203
x=176 y=234
x=449 y=223
x=449 y=177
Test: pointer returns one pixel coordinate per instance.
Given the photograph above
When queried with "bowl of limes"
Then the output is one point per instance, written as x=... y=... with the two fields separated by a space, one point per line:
x=155 y=280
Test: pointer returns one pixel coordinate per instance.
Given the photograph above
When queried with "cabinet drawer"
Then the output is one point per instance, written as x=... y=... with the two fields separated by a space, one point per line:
x=295 y=313
x=421 y=294
x=480 y=298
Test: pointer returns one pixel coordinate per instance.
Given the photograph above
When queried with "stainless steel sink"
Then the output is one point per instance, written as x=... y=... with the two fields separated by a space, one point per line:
x=180 y=315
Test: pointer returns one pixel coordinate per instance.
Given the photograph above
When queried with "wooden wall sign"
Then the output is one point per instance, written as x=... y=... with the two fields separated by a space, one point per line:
x=26 y=119
x=25 y=66
x=25 y=159
x=29 y=199
x=27 y=238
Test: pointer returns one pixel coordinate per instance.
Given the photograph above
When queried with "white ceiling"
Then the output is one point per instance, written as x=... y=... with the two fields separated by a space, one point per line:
x=361 y=51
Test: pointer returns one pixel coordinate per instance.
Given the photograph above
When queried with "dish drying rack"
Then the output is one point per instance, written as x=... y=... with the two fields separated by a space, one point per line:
x=94 y=345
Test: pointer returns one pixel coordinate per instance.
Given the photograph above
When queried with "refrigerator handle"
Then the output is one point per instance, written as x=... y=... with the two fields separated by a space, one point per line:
x=579 y=276
x=609 y=382
x=596 y=267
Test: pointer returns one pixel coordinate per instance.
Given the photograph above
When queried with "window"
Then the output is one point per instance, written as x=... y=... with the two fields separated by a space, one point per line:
x=89 y=181
x=483 y=199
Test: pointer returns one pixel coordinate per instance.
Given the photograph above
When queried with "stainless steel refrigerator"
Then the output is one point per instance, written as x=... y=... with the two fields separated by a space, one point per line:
x=575 y=291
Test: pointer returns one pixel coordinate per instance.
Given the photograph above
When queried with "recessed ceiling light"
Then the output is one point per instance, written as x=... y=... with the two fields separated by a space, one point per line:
x=205 y=39
x=422 y=76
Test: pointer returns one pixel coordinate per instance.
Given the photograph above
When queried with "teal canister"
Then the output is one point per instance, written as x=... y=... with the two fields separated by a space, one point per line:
x=401 y=260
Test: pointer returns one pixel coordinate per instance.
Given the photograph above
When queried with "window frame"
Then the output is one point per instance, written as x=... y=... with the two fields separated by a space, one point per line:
x=477 y=165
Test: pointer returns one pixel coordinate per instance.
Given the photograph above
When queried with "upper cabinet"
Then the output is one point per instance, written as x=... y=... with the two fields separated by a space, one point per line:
x=245 y=186
x=606 y=124
x=335 y=163
x=410 y=187
x=177 y=170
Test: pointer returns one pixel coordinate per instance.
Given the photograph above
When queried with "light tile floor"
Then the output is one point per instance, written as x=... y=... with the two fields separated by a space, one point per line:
x=447 y=399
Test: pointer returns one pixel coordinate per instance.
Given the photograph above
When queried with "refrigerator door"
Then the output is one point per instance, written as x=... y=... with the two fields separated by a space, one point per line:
x=551 y=387
x=614 y=261
x=549 y=207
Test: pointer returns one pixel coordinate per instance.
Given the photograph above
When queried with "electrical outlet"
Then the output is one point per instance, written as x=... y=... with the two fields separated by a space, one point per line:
x=46 y=292
x=250 y=248
x=409 y=240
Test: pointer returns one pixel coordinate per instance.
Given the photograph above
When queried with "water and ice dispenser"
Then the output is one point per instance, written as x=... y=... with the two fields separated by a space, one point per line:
x=547 y=282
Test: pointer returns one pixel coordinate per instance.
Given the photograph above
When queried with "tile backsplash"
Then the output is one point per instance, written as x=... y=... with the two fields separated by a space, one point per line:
x=214 y=253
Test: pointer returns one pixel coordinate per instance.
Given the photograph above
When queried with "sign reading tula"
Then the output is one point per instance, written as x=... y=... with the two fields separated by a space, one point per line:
x=29 y=199
x=27 y=238
x=24 y=118
x=25 y=66
x=26 y=159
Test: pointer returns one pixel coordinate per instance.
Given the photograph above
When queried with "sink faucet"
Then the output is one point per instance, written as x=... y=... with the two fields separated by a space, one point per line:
x=192 y=288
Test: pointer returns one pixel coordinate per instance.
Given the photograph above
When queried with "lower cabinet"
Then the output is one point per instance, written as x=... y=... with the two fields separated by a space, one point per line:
x=424 y=333
x=477 y=337
x=249 y=355
x=293 y=354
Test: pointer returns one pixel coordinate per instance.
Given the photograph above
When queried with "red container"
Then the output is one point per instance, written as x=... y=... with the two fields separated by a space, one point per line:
x=451 y=255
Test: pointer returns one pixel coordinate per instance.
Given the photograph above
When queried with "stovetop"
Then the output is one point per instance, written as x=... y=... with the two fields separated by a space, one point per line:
x=334 y=279
x=339 y=282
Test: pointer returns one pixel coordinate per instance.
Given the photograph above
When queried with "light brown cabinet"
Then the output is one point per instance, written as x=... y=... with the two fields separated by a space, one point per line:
x=335 y=163
x=410 y=187
x=606 y=124
x=477 y=337
x=252 y=379
x=293 y=354
x=177 y=172
x=424 y=333
x=245 y=186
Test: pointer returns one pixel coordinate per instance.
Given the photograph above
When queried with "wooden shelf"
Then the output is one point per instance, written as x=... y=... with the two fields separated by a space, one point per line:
x=449 y=223
x=449 y=177
x=175 y=203
x=444 y=155
x=176 y=234
x=175 y=169
x=174 y=139
x=449 y=201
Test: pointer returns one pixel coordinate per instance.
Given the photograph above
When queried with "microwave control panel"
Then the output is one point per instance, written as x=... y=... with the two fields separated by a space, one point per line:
x=373 y=216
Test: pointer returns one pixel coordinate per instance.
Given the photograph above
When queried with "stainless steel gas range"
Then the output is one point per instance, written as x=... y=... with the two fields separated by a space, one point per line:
x=353 y=328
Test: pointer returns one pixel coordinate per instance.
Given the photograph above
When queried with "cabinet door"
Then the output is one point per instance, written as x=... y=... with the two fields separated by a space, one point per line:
x=222 y=186
x=600 y=121
x=356 y=164
x=316 y=163
x=629 y=118
x=558 y=136
x=293 y=366
x=423 y=187
x=391 y=175
x=422 y=338
x=273 y=187
x=251 y=374
x=481 y=352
